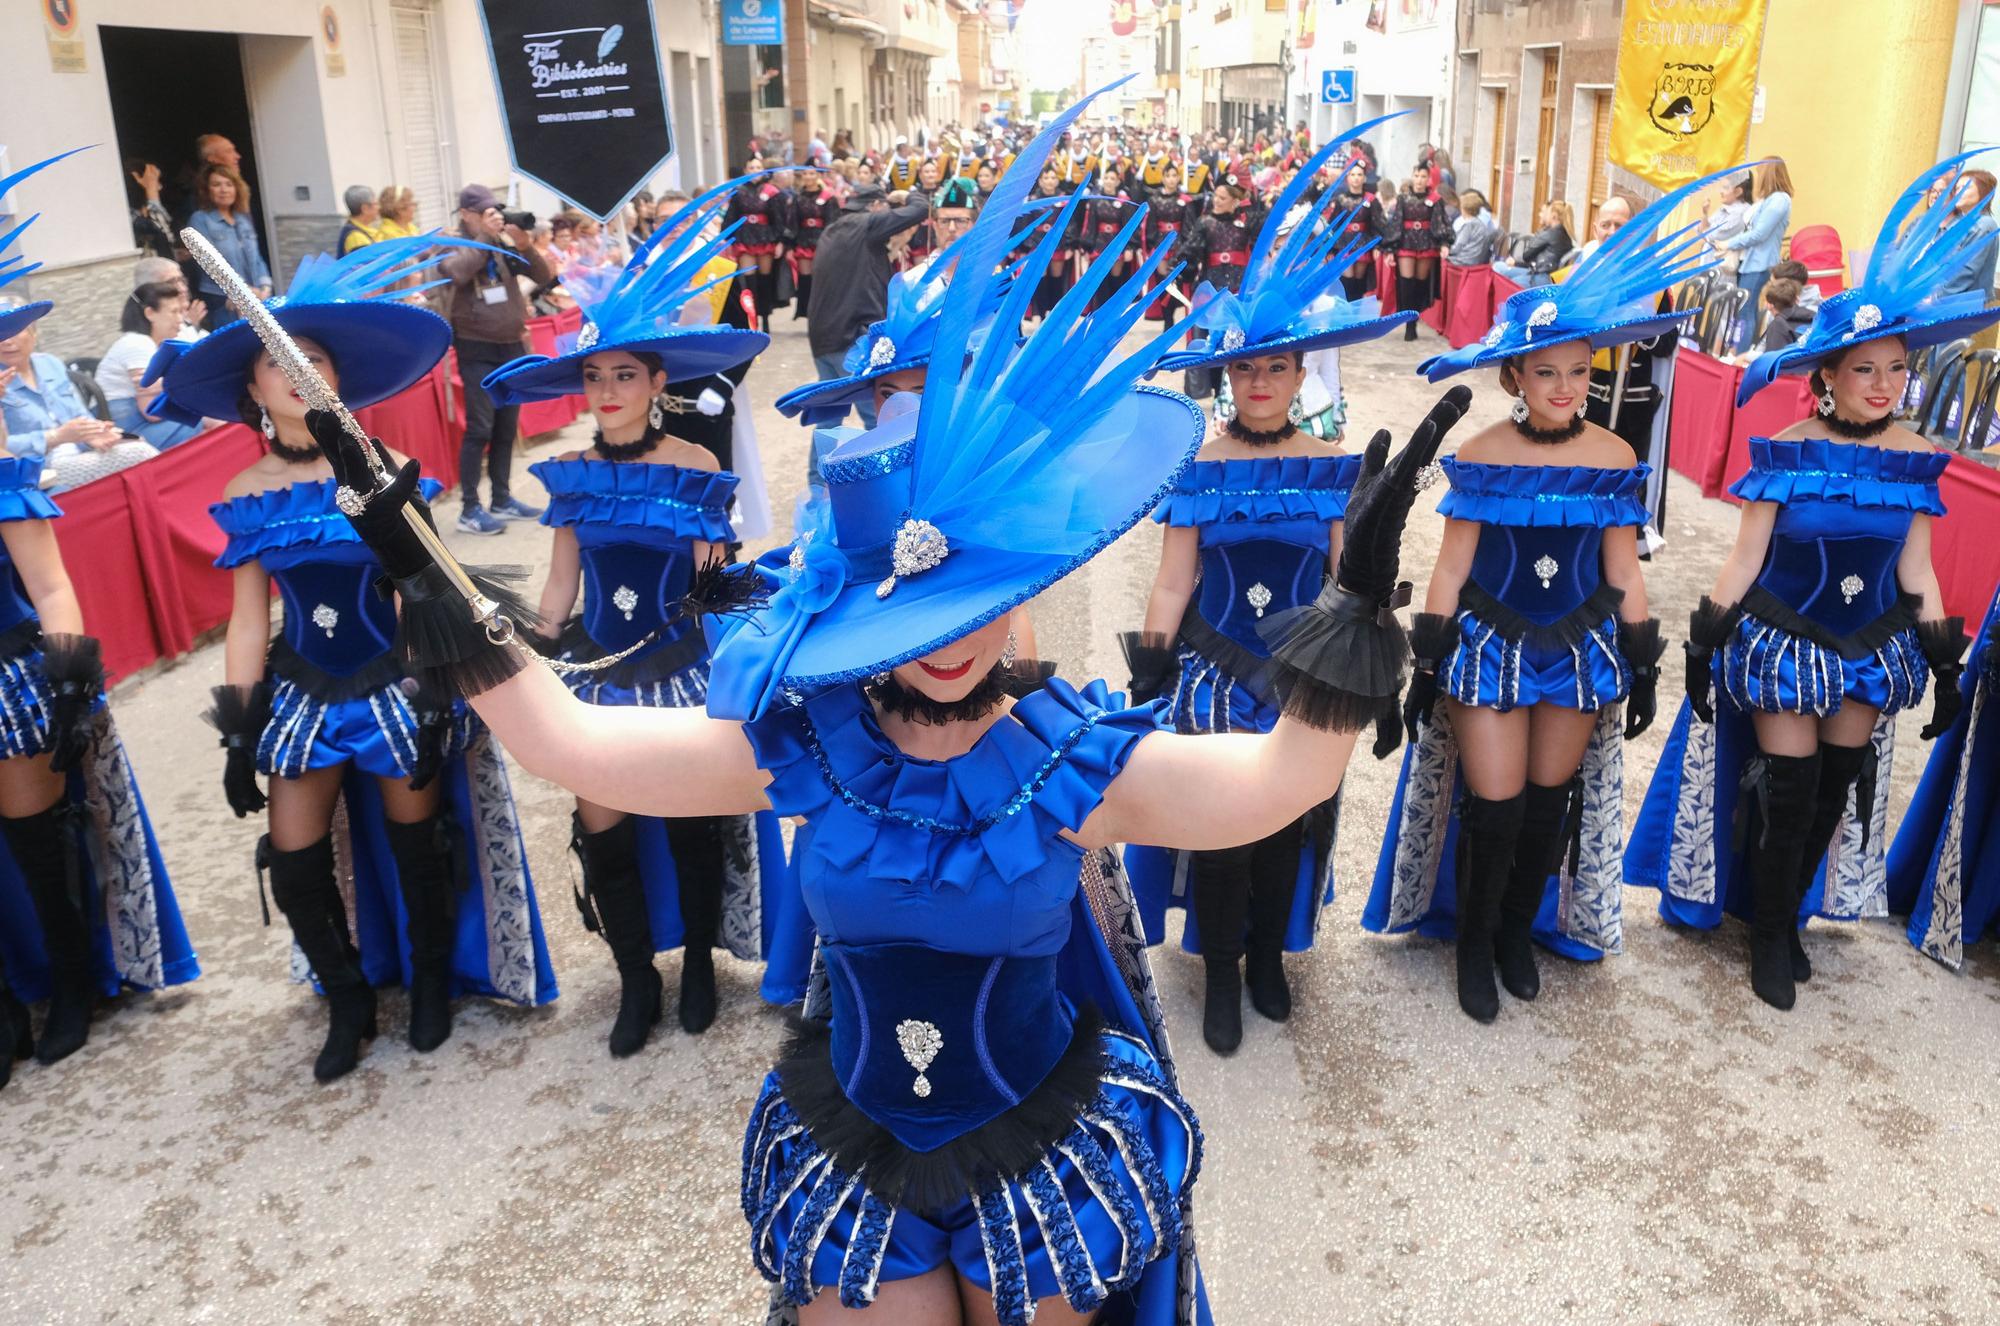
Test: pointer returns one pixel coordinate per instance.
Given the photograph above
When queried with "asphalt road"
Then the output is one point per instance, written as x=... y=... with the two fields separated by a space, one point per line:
x=1645 y=1143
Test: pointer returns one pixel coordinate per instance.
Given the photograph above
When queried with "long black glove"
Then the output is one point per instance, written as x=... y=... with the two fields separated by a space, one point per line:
x=1708 y=626
x=1642 y=646
x=240 y=715
x=74 y=667
x=1433 y=638
x=1944 y=645
x=1372 y=534
x=1150 y=656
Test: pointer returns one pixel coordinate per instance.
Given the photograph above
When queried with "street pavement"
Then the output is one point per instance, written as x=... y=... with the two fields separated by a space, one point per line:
x=1645 y=1143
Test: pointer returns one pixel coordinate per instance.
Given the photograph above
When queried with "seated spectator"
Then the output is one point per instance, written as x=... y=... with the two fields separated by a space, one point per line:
x=1786 y=318
x=364 y=220
x=151 y=316
x=1612 y=214
x=1537 y=256
x=1975 y=193
x=399 y=212
x=152 y=229
x=1473 y=239
x=224 y=221
x=46 y=418
x=1791 y=269
x=155 y=271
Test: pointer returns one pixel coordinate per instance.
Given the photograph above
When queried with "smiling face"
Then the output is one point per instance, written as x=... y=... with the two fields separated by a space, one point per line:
x=221 y=191
x=1263 y=388
x=950 y=672
x=1554 y=382
x=270 y=388
x=618 y=387
x=1869 y=379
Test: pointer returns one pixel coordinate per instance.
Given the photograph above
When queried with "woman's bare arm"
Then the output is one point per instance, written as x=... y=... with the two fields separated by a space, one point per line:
x=1173 y=584
x=1454 y=564
x=559 y=591
x=1622 y=571
x=1746 y=559
x=1914 y=573
x=249 y=635
x=31 y=544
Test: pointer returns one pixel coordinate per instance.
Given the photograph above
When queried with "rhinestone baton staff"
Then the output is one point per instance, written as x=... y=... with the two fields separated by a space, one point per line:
x=317 y=394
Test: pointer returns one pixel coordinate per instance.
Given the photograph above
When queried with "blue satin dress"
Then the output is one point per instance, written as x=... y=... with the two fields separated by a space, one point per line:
x=1825 y=623
x=1538 y=624
x=636 y=526
x=338 y=698
x=137 y=938
x=1944 y=866
x=968 y=973
x=1264 y=530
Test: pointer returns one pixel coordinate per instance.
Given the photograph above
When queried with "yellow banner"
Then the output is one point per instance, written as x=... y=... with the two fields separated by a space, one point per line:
x=1687 y=75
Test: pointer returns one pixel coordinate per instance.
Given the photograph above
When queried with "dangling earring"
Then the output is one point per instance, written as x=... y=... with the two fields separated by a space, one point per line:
x=656 y=417
x=1295 y=412
x=1013 y=648
x=1826 y=404
x=1518 y=412
x=1225 y=410
x=269 y=429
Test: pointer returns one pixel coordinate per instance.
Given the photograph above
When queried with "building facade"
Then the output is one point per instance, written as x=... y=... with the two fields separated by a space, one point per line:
x=1234 y=55
x=1395 y=57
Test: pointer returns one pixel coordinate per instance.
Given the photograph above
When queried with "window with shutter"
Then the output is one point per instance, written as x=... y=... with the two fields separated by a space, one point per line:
x=423 y=136
x=1600 y=154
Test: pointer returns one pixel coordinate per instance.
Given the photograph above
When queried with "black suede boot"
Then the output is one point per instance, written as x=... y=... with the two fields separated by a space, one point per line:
x=803 y=300
x=1409 y=297
x=1487 y=834
x=1274 y=878
x=430 y=901
x=1221 y=914
x=1839 y=768
x=614 y=904
x=50 y=859
x=303 y=888
x=1537 y=854
x=17 y=1037
x=1782 y=790
x=698 y=864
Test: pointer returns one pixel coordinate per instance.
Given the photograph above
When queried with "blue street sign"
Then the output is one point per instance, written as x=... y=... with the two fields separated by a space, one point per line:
x=753 y=22
x=1336 y=87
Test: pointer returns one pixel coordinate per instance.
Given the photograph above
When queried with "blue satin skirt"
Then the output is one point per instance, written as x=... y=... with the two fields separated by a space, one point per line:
x=1493 y=672
x=1771 y=670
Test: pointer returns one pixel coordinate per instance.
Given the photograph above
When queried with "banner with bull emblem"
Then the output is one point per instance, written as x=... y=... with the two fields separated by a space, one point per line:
x=1687 y=75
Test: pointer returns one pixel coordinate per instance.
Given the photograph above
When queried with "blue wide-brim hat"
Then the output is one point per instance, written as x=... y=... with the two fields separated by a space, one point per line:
x=13 y=320
x=1532 y=319
x=378 y=350
x=684 y=353
x=1846 y=320
x=1228 y=350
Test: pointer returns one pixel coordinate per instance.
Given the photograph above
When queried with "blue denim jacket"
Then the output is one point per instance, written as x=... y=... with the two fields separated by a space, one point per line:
x=33 y=411
x=235 y=241
x=1763 y=233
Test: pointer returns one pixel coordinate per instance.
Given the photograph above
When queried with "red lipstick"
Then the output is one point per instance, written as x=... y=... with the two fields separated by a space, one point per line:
x=945 y=674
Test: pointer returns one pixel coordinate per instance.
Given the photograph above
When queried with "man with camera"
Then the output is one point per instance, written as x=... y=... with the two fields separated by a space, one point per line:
x=489 y=321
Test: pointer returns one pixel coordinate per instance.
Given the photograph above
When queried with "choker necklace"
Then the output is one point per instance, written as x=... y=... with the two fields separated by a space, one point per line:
x=626 y=450
x=292 y=455
x=1550 y=436
x=916 y=707
x=1847 y=428
x=1251 y=437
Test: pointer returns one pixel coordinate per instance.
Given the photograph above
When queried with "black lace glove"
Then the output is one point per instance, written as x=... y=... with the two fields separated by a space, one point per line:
x=74 y=668
x=1642 y=646
x=1388 y=732
x=1708 y=626
x=1944 y=645
x=1433 y=638
x=434 y=717
x=1372 y=533
x=1150 y=656
x=240 y=715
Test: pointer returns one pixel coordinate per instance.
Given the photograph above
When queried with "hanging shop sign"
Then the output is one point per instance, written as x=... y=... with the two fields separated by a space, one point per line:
x=1687 y=83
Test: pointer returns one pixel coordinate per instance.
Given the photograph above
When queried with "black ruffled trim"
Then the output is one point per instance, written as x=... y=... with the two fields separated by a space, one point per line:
x=1566 y=632
x=1025 y=676
x=1710 y=624
x=22 y=637
x=440 y=643
x=239 y=713
x=1344 y=659
x=74 y=664
x=1262 y=677
x=1005 y=1147
x=1149 y=660
x=642 y=669
x=1433 y=639
x=1768 y=608
x=1642 y=646
x=286 y=662
x=1943 y=643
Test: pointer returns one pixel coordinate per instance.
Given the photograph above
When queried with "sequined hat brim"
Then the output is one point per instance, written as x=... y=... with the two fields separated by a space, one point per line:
x=1351 y=334
x=1513 y=345
x=685 y=353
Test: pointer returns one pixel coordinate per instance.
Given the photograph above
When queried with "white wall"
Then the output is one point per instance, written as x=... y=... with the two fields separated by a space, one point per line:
x=1405 y=68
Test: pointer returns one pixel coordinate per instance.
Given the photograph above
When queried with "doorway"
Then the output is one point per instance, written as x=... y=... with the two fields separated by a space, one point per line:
x=168 y=88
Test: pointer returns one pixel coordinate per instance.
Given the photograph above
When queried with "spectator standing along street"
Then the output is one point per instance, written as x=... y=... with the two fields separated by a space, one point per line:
x=224 y=221
x=364 y=221
x=851 y=277
x=152 y=229
x=1761 y=239
x=489 y=322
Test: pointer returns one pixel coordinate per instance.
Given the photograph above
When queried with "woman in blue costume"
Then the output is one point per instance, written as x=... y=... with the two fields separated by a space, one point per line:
x=86 y=908
x=1944 y=866
x=1534 y=630
x=1823 y=623
x=987 y=1128
x=635 y=517
x=441 y=899
x=1252 y=528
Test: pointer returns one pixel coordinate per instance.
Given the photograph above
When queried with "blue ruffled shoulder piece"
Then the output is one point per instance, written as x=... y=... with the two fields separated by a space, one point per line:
x=1272 y=488
x=687 y=503
x=995 y=810
x=1852 y=472
x=299 y=516
x=21 y=495
x=1544 y=495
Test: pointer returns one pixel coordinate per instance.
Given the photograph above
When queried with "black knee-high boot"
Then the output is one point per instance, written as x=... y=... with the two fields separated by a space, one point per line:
x=1410 y=292
x=49 y=857
x=303 y=888
x=1839 y=768
x=1221 y=913
x=802 y=301
x=1354 y=287
x=1781 y=790
x=1488 y=832
x=430 y=900
x=1274 y=878
x=17 y=1037
x=699 y=862
x=614 y=904
x=1537 y=853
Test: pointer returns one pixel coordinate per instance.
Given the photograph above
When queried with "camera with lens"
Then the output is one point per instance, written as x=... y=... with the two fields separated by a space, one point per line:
x=525 y=220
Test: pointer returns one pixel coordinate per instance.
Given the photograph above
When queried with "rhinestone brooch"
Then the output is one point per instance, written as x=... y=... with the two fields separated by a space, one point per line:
x=1867 y=318
x=1259 y=595
x=920 y=1042
x=1850 y=587
x=326 y=617
x=625 y=599
x=882 y=353
x=1543 y=316
x=1232 y=340
x=1499 y=332
x=1545 y=568
x=1428 y=476
x=587 y=337
x=351 y=503
x=919 y=546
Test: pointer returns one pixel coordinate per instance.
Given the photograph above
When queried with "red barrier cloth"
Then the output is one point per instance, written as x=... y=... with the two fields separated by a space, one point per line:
x=1704 y=406
x=1468 y=303
x=100 y=548
x=168 y=499
x=1964 y=552
x=1385 y=279
x=1503 y=290
x=1771 y=410
x=413 y=423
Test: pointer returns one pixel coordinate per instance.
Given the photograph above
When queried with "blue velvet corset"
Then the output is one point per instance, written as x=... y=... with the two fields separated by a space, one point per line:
x=1264 y=529
x=1844 y=511
x=334 y=620
x=1541 y=529
x=636 y=525
x=21 y=498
